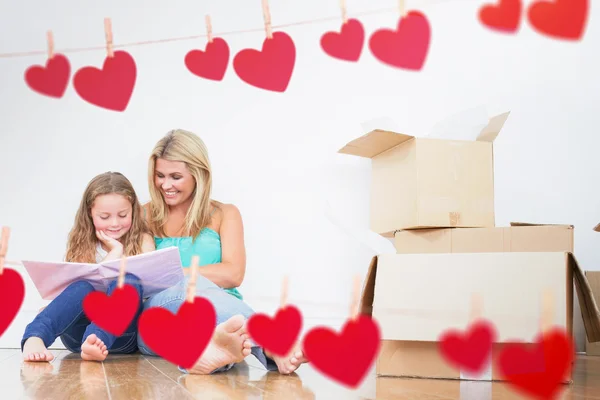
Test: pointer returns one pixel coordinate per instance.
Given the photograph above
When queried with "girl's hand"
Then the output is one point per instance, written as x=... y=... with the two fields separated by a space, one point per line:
x=110 y=243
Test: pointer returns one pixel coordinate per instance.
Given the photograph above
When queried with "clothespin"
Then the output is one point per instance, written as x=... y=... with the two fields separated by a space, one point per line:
x=267 y=18
x=50 y=40
x=344 y=11
x=402 y=8
x=284 y=293
x=355 y=298
x=109 y=37
x=547 y=318
x=208 y=28
x=121 y=280
x=191 y=289
x=3 y=246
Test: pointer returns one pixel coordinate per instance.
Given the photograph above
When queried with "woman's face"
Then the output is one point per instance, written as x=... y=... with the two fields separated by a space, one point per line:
x=174 y=181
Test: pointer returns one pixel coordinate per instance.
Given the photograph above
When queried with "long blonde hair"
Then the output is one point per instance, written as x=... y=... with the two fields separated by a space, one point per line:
x=81 y=246
x=184 y=146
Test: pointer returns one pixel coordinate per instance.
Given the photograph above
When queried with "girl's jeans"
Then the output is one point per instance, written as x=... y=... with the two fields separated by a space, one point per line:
x=64 y=318
x=226 y=306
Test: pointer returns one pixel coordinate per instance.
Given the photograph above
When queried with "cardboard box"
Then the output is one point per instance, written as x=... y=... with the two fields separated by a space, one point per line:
x=416 y=297
x=593 y=277
x=519 y=237
x=425 y=182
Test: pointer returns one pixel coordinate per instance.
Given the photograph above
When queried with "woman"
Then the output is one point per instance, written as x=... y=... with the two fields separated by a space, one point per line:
x=181 y=213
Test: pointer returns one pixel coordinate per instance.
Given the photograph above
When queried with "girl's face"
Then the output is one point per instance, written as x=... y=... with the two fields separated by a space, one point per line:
x=174 y=181
x=112 y=214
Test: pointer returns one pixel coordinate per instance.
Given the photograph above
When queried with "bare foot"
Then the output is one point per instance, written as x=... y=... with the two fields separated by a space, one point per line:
x=289 y=363
x=35 y=350
x=229 y=344
x=93 y=349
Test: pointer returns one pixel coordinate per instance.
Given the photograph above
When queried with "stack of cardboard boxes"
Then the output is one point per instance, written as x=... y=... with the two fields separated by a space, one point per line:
x=435 y=198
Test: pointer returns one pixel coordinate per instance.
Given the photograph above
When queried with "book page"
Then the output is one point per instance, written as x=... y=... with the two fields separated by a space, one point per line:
x=51 y=278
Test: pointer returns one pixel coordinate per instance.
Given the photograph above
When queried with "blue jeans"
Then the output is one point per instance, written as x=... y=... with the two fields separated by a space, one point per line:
x=64 y=318
x=226 y=306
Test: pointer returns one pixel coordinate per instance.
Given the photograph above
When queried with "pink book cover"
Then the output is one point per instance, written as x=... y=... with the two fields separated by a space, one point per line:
x=158 y=270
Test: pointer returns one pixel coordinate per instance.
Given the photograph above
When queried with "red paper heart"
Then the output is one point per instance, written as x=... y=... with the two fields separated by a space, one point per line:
x=344 y=357
x=51 y=80
x=112 y=313
x=211 y=63
x=469 y=351
x=346 y=45
x=272 y=67
x=276 y=335
x=504 y=17
x=405 y=47
x=179 y=338
x=538 y=372
x=562 y=19
x=110 y=87
x=12 y=293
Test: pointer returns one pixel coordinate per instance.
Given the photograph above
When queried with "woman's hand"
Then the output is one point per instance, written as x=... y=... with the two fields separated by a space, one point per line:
x=113 y=245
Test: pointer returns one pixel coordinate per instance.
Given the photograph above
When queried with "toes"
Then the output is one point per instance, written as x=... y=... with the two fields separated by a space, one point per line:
x=246 y=352
x=294 y=361
x=91 y=339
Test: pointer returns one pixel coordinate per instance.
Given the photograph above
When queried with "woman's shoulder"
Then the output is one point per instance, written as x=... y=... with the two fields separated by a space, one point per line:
x=225 y=210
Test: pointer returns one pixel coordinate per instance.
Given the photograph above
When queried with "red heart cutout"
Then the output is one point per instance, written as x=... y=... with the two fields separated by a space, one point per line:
x=112 y=313
x=405 y=47
x=276 y=335
x=272 y=67
x=179 y=338
x=504 y=17
x=211 y=63
x=346 y=45
x=51 y=80
x=562 y=19
x=469 y=351
x=538 y=372
x=347 y=357
x=12 y=293
x=110 y=87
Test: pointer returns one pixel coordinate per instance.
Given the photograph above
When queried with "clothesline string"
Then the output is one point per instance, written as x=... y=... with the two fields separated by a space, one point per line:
x=204 y=35
x=342 y=306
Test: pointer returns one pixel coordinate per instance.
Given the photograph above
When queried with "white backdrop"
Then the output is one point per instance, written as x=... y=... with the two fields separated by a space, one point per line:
x=274 y=155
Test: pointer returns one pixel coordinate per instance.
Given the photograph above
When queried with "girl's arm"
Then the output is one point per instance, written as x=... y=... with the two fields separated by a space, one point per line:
x=148 y=244
x=229 y=273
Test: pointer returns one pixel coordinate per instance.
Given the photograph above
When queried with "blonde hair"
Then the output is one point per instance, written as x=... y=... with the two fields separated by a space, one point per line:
x=184 y=146
x=81 y=245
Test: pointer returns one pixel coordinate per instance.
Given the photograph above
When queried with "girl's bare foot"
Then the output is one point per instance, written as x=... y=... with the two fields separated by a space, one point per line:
x=289 y=363
x=35 y=350
x=229 y=344
x=93 y=349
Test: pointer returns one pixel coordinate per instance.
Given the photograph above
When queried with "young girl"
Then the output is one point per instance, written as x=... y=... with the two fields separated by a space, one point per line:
x=108 y=226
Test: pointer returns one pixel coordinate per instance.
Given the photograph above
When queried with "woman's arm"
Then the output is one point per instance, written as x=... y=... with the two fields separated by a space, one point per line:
x=229 y=273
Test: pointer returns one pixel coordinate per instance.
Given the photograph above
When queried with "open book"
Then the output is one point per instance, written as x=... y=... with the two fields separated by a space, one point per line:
x=158 y=270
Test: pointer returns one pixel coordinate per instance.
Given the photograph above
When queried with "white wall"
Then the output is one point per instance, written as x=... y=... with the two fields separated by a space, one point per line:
x=274 y=155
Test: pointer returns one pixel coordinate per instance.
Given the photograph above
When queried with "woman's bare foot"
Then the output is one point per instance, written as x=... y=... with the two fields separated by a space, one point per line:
x=93 y=349
x=289 y=363
x=35 y=350
x=229 y=344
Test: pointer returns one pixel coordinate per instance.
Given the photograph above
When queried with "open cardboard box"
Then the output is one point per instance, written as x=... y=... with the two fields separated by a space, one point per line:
x=420 y=182
x=416 y=297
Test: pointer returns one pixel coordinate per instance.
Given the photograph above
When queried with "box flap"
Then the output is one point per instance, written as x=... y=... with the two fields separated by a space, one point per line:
x=493 y=128
x=374 y=143
x=368 y=292
x=532 y=224
x=589 y=307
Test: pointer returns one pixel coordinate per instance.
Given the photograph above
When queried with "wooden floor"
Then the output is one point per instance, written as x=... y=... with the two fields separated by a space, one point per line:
x=139 y=377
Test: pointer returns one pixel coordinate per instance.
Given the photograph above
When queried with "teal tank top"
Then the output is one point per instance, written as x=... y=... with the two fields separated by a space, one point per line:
x=207 y=246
